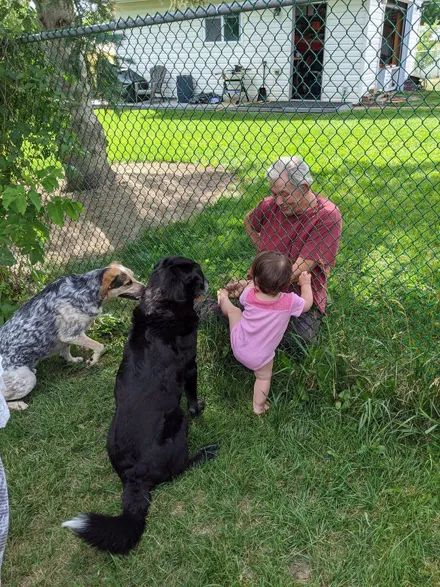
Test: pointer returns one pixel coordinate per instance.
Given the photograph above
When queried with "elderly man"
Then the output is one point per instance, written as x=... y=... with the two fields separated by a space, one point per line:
x=305 y=227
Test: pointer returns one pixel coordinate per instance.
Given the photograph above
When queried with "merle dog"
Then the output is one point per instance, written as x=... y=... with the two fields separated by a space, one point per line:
x=56 y=318
x=147 y=442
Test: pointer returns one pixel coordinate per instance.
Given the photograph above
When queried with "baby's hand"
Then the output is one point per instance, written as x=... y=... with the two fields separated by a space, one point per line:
x=222 y=294
x=305 y=278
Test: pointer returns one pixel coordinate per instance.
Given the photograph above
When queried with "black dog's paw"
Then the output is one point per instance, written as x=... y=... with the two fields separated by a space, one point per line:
x=210 y=452
x=205 y=454
x=197 y=408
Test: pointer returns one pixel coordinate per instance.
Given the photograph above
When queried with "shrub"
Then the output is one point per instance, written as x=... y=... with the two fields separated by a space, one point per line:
x=32 y=114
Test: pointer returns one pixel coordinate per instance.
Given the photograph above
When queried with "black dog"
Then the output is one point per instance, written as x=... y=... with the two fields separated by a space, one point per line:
x=147 y=442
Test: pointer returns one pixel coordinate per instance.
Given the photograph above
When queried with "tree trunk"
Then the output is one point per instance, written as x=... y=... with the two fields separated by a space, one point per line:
x=85 y=163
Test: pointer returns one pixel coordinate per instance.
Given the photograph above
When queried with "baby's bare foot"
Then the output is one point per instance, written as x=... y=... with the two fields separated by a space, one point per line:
x=260 y=409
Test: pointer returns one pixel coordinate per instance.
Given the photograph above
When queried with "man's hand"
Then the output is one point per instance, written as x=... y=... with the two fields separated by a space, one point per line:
x=301 y=265
x=305 y=278
x=234 y=288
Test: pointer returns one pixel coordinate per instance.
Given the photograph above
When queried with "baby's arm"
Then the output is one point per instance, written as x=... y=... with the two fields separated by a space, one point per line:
x=305 y=283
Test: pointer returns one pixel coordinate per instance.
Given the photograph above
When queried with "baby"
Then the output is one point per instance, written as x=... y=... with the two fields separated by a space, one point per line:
x=257 y=331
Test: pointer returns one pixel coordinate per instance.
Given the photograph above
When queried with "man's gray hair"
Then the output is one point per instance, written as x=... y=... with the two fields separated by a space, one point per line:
x=297 y=170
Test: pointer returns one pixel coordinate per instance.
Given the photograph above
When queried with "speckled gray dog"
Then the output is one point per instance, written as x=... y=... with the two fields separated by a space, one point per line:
x=53 y=320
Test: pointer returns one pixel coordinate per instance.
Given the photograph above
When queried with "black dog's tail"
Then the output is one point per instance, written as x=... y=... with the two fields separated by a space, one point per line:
x=116 y=534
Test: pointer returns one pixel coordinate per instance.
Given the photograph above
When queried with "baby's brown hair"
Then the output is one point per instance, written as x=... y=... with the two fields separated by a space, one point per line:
x=271 y=272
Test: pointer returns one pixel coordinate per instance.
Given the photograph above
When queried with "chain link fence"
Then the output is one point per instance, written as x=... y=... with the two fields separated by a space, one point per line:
x=175 y=118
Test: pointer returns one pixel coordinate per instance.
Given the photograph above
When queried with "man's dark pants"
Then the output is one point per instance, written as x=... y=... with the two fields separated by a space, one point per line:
x=300 y=333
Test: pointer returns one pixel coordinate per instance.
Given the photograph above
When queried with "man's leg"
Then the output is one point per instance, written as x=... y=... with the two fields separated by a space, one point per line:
x=301 y=332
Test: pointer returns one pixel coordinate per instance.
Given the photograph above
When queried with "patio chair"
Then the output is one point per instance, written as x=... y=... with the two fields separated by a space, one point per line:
x=235 y=77
x=157 y=77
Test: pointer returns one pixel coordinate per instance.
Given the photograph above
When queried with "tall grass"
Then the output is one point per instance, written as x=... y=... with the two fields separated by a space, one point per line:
x=338 y=484
x=377 y=356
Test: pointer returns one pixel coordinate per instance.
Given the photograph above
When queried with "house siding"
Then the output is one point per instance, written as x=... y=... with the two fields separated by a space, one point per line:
x=373 y=43
x=181 y=47
x=351 y=49
x=344 y=47
x=410 y=40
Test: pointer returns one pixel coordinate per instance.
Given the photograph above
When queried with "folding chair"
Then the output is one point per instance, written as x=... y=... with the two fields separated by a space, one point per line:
x=157 y=77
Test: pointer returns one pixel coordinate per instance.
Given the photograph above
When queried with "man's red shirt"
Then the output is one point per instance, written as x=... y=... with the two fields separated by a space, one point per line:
x=313 y=234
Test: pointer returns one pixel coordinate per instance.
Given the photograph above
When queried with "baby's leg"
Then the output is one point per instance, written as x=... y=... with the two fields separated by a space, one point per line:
x=227 y=307
x=261 y=388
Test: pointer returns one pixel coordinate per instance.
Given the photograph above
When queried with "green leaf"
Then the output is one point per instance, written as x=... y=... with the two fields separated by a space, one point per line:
x=41 y=230
x=20 y=202
x=49 y=183
x=35 y=199
x=55 y=212
x=8 y=196
x=6 y=257
x=37 y=255
x=6 y=311
x=73 y=209
x=14 y=196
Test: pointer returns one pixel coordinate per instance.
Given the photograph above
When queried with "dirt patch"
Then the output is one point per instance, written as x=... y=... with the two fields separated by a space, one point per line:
x=144 y=195
x=300 y=571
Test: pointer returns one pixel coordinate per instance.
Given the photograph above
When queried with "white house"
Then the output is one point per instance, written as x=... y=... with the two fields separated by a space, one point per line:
x=332 y=51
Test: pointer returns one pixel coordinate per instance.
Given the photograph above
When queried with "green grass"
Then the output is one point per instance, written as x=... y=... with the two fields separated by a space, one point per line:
x=339 y=483
x=249 y=142
x=299 y=493
x=429 y=97
x=433 y=86
x=382 y=169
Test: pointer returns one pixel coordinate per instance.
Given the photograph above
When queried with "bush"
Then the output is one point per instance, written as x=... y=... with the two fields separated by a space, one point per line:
x=32 y=116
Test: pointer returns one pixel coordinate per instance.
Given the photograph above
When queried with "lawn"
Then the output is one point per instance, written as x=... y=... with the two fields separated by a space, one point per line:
x=338 y=485
x=382 y=169
x=300 y=497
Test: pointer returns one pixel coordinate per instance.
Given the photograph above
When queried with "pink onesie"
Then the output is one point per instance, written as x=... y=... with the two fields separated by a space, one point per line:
x=255 y=338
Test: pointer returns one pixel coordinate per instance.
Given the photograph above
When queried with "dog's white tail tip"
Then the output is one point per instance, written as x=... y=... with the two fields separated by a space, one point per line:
x=76 y=524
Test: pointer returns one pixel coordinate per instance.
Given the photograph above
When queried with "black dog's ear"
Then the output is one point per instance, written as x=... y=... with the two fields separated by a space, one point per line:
x=169 y=280
x=174 y=284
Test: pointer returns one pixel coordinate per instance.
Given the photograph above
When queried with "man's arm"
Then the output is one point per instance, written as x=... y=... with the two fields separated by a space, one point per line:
x=301 y=265
x=251 y=232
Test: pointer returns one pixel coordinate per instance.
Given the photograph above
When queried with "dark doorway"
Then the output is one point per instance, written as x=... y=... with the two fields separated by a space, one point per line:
x=393 y=31
x=308 y=51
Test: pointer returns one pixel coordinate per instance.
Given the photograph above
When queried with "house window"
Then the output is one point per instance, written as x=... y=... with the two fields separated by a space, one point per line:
x=222 y=28
x=213 y=27
x=393 y=31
